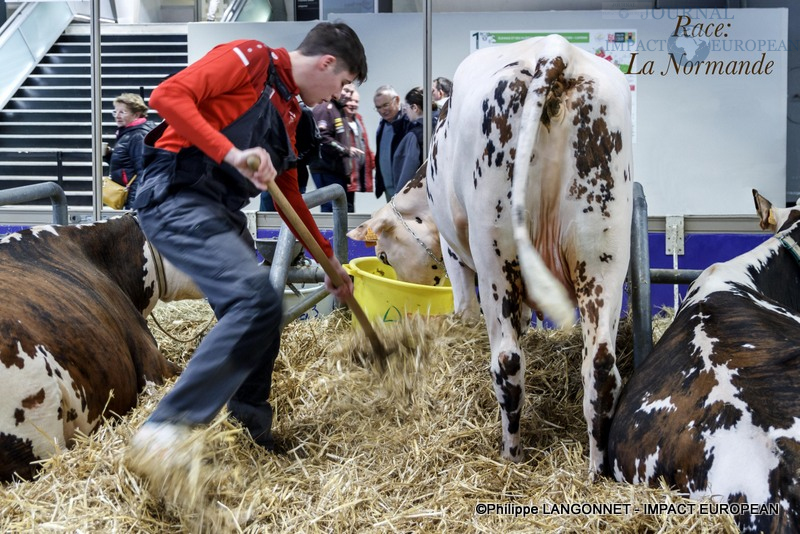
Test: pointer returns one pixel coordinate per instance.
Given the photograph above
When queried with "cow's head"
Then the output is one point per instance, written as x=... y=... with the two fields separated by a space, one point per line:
x=405 y=236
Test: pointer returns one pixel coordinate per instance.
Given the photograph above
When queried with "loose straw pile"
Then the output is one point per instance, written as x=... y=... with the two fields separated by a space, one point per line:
x=408 y=445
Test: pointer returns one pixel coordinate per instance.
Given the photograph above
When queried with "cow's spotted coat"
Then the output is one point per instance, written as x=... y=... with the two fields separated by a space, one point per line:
x=529 y=184
x=715 y=408
x=74 y=344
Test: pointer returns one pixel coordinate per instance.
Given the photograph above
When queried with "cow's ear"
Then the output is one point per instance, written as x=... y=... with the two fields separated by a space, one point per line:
x=369 y=231
x=766 y=214
x=364 y=233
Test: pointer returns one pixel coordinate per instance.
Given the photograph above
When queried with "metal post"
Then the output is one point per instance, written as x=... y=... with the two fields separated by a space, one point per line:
x=60 y=167
x=640 y=279
x=97 y=112
x=427 y=83
x=340 y=225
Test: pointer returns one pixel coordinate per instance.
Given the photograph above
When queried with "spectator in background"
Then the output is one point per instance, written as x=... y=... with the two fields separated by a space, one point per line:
x=408 y=156
x=391 y=130
x=125 y=161
x=334 y=163
x=441 y=91
x=362 y=156
x=347 y=92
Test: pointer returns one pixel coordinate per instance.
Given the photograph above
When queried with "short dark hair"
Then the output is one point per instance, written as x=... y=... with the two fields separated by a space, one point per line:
x=339 y=40
x=444 y=85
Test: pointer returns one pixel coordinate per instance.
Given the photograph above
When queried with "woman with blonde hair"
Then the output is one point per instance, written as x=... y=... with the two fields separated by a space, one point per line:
x=125 y=163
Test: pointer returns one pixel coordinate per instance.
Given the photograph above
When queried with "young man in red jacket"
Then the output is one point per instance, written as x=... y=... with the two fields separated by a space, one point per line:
x=239 y=100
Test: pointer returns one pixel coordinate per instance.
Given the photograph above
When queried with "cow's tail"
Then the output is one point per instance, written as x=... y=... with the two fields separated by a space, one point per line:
x=541 y=286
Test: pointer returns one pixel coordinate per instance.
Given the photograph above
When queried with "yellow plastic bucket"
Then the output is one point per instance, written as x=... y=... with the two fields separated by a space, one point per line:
x=383 y=297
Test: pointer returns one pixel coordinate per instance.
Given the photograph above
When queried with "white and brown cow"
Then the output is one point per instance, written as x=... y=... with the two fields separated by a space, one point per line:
x=715 y=408
x=74 y=344
x=530 y=186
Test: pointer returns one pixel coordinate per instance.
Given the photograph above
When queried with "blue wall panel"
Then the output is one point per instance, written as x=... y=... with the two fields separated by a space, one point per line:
x=700 y=251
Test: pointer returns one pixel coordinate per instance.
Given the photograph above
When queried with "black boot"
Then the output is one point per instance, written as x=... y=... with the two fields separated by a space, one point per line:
x=257 y=419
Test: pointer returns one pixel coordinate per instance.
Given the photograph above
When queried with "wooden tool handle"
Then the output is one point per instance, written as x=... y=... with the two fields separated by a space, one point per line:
x=316 y=251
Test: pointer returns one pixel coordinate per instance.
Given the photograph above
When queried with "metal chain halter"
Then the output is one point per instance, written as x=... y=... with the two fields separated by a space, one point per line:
x=439 y=261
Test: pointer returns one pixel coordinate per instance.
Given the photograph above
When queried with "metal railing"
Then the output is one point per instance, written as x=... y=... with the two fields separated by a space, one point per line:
x=248 y=11
x=26 y=37
x=641 y=277
x=29 y=193
x=281 y=271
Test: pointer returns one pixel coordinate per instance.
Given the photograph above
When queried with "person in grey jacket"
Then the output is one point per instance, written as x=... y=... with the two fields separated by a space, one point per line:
x=392 y=129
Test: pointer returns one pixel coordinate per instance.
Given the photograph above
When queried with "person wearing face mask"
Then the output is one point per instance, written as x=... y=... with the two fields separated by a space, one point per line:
x=236 y=102
x=125 y=160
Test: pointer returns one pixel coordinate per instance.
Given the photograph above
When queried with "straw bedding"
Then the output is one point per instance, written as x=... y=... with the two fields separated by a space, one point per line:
x=407 y=445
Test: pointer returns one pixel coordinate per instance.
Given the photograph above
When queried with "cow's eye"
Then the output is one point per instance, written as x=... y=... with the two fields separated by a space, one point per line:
x=382 y=257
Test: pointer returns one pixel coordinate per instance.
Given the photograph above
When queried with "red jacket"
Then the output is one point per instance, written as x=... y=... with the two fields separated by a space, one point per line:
x=212 y=92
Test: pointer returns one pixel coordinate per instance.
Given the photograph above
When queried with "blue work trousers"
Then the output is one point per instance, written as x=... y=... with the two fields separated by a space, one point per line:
x=234 y=362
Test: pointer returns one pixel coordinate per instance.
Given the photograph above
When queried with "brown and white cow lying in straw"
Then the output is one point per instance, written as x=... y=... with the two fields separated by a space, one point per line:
x=715 y=408
x=530 y=186
x=74 y=344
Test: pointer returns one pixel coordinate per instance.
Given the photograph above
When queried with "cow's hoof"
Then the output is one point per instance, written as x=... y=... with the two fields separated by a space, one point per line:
x=595 y=473
x=517 y=458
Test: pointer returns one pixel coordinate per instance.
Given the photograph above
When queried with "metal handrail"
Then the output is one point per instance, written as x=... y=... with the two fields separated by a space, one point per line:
x=28 y=193
x=234 y=10
x=280 y=272
x=13 y=29
x=15 y=21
